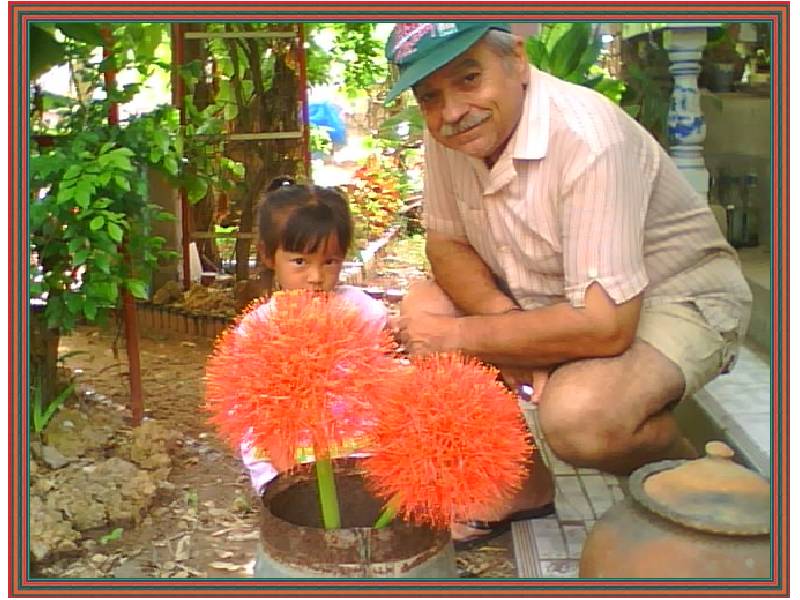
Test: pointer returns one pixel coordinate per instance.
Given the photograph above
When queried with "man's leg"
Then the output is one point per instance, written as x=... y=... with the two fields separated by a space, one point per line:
x=614 y=414
x=611 y=414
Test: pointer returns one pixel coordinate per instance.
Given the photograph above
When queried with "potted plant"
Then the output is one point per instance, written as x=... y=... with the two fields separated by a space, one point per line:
x=722 y=63
x=438 y=439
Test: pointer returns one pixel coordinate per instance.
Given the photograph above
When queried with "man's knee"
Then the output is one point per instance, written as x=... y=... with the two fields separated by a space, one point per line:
x=579 y=425
x=427 y=296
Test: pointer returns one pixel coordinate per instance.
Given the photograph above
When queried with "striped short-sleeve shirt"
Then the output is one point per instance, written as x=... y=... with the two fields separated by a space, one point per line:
x=581 y=194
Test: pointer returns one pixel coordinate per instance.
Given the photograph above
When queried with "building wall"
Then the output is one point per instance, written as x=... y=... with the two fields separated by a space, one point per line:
x=738 y=142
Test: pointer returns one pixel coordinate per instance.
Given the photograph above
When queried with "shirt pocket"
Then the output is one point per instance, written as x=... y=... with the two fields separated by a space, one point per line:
x=529 y=230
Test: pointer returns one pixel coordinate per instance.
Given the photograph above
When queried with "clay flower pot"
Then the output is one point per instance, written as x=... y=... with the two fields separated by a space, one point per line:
x=294 y=544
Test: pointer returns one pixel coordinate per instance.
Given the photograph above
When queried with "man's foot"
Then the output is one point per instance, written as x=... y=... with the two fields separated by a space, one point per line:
x=533 y=501
x=478 y=533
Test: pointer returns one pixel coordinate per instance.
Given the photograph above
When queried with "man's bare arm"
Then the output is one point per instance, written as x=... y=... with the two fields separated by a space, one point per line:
x=553 y=334
x=464 y=277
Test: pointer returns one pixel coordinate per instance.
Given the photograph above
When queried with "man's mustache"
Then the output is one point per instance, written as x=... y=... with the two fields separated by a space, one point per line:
x=468 y=121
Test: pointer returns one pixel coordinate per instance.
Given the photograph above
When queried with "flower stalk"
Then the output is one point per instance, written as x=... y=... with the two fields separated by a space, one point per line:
x=388 y=514
x=328 y=499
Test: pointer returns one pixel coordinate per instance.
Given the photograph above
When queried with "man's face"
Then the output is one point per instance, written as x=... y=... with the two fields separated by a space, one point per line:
x=473 y=104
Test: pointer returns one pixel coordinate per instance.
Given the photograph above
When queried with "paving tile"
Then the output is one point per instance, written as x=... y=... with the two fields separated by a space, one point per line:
x=738 y=397
x=525 y=553
x=559 y=569
x=757 y=427
x=549 y=539
x=559 y=467
x=571 y=503
x=616 y=481
x=583 y=471
x=574 y=535
x=749 y=400
x=598 y=492
x=617 y=492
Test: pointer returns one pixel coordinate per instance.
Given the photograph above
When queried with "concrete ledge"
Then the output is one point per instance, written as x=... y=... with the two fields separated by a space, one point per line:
x=739 y=404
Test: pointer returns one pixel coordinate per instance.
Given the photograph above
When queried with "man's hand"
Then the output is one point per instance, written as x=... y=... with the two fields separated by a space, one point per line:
x=425 y=333
x=536 y=378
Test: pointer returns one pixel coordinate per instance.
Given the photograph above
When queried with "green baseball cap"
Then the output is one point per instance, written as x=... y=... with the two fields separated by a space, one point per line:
x=418 y=49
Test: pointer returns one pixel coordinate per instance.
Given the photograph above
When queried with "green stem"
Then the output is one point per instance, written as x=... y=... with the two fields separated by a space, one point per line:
x=389 y=513
x=327 y=494
x=37 y=408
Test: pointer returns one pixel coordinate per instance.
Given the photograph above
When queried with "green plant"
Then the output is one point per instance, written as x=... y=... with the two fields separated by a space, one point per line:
x=570 y=51
x=90 y=220
x=375 y=196
x=113 y=535
x=91 y=226
x=42 y=410
x=320 y=141
x=354 y=51
x=648 y=88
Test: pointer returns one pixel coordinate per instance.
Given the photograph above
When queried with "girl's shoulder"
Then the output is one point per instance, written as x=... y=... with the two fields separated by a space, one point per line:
x=256 y=312
x=371 y=309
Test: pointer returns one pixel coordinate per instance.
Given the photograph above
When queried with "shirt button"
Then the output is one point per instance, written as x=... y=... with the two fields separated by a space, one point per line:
x=592 y=272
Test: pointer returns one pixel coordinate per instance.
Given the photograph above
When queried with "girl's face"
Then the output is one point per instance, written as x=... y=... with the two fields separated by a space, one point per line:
x=318 y=271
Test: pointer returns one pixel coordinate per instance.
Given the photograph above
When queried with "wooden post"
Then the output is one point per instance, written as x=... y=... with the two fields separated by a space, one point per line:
x=302 y=81
x=178 y=100
x=128 y=303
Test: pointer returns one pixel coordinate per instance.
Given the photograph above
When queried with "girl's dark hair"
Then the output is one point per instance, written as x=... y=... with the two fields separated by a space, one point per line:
x=298 y=218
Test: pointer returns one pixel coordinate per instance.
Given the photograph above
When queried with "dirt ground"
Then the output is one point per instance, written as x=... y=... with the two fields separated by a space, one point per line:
x=203 y=521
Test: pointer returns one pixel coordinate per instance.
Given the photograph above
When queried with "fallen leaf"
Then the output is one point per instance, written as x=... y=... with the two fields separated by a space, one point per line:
x=220 y=532
x=182 y=552
x=242 y=537
x=226 y=566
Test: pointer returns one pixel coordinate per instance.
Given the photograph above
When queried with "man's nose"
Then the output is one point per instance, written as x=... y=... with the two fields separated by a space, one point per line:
x=454 y=108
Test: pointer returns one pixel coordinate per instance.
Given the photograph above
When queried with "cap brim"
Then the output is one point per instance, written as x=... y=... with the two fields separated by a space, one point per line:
x=426 y=65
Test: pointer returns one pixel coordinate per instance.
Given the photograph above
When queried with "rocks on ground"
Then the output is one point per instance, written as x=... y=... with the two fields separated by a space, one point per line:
x=90 y=472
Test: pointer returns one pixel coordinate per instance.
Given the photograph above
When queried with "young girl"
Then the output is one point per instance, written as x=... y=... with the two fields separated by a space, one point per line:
x=304 y=233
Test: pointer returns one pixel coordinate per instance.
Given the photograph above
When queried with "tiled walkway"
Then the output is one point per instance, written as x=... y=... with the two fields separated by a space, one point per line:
x=551 y=547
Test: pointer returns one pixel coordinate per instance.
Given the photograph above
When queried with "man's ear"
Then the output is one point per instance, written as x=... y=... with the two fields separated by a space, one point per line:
x=522 y=59
x=266 y=260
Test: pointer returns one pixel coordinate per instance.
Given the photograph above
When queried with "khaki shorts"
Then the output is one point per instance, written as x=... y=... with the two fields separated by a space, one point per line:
x=682 y=334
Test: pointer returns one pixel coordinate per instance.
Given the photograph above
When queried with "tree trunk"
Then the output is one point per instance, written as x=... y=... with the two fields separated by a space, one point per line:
x=202 y=212
x=271 y=109
x=43 y=353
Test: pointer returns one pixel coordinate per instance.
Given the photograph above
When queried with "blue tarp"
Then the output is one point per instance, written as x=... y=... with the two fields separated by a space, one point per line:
x=328 y=115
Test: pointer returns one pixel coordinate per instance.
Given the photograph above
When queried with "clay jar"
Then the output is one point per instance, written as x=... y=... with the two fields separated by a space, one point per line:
x=701 y=519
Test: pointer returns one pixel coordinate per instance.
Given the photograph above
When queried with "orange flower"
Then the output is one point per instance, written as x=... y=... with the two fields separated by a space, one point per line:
x=450 y=443
x=299 y=371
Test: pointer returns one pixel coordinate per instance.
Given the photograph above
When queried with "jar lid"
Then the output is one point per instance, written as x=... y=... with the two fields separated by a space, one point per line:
x=711 y=494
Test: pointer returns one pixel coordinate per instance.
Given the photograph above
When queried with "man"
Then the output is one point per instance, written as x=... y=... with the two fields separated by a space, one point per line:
x=565 y=244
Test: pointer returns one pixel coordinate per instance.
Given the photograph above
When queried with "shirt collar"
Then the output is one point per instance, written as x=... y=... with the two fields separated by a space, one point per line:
x=528 y=142
x=532 y=134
